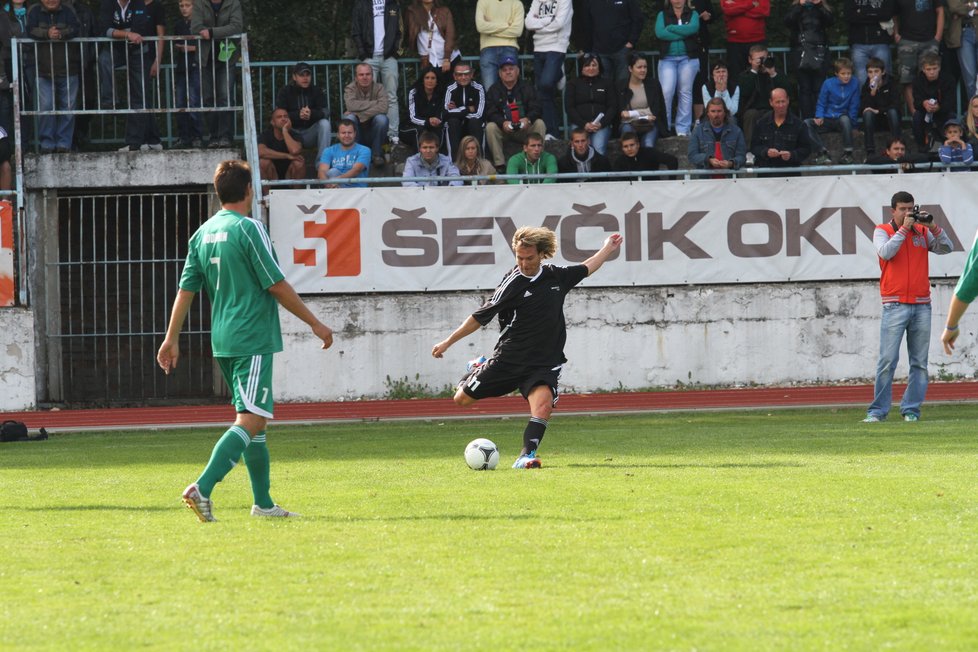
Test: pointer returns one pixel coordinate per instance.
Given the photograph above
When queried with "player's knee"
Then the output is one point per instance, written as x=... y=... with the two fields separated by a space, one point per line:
x=462 y=399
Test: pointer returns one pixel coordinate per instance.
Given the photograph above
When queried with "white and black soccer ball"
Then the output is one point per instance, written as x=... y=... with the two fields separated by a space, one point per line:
x=481 y=455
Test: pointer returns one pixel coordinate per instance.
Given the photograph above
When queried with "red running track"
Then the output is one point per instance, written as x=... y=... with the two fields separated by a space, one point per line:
x=443 y=408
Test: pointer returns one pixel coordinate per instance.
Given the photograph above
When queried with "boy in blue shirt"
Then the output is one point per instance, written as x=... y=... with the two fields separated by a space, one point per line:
x=837 y=110
x=954 y=149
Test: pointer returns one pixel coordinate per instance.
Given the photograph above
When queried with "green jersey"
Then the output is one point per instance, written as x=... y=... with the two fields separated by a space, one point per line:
x=231 y=257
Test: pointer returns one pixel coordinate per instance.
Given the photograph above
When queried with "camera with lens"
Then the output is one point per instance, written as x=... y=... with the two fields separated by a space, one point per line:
x=923 y=217
x=768 y=63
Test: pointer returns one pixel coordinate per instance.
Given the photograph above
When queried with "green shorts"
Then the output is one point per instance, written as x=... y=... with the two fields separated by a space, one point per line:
x=250 y=380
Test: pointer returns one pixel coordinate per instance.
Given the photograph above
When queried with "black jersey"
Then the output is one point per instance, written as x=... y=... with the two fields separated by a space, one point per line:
x=531 y=314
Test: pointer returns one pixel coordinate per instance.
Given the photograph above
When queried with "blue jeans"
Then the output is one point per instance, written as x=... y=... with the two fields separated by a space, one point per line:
x=676 y=75
x=615 y=65
x=599 y=139
x=489 y=59
x=548 y=68
x=841 y=124
x=57 y=94
x=372 y=133
x=914 y=320
x=318 y=134
x=871 y=120
x=385 y=72
x=861 y=52
x=646 y=139
x=966 y=59
x=186 y=93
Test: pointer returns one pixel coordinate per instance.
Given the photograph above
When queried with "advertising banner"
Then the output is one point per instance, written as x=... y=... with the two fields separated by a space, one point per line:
x=675 y=232
x=6 y=254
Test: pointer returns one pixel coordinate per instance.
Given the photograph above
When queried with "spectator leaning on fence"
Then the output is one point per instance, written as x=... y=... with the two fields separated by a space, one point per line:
x=465 y=104
x=53 y=24
x=896 y=153
x=186 y=80
x=377 y=38
x=430 y=164
x=88 y=76
x=217 y=22
x=955 y=150
x=715 y=144
x=366 y=106
x=306 y=105
x=641 y=159
x=780 y=138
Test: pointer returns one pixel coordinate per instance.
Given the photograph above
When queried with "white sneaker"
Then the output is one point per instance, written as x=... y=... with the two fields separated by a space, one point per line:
x=200 y=506
x=394 y=141
x=750 y=159
x=549 y=137
x=275 y=511
x=156 y=147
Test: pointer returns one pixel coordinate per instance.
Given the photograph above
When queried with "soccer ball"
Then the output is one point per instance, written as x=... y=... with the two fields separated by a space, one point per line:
x=481 y=455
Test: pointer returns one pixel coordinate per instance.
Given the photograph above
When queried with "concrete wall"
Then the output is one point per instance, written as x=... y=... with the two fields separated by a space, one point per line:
x=17 y=366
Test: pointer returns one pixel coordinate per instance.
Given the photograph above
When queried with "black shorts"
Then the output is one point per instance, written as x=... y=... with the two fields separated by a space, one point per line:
x=496 y=378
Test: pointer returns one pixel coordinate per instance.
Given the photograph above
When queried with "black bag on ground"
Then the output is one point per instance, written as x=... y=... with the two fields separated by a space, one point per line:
x=13 y=431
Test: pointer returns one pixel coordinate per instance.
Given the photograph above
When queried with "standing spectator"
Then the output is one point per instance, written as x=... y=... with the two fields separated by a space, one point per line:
x=366 y=106
x=745 y=26
x=550 y=22
x=635 y=158
x=809 y=22
x=157 y=16
x=217 y=22
x=470 y=161
x=704 y=8
x=756 y=84
x=720 y=85
x=903 y=246
x=715 y=144
x=431 y=33
x=870 y=33
x=58 y=65
x=532 y=160
x=959 y=35
x=971 y=123
x=346 y=159
x=512 y=111
x=429 y=163
x=677 y=27
x=186 y=80
x=932 y=93
x=500 y=24
x=88 y=75
x=377 y=38
x=128 y=25
x=590 y=101
x=641 y=103
x=280 y=149
x=306 y=105
x=426 y=110
x=954 y=149
x=879 y=100
x=13 y=24
x=581 y=157
x=612 y=29
x=780 y=138
x=837 y=110
x=918 y=27
x=465 y=104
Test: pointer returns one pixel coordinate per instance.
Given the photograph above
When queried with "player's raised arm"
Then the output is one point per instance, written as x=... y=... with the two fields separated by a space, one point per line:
x=169 y=353
x=469 y=326
x=611 y=245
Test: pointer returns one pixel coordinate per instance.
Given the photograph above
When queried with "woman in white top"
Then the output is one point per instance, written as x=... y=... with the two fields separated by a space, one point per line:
x=720 y=85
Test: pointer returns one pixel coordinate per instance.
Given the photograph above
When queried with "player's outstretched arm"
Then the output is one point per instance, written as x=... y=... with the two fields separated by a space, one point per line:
x=469 y=326
x=595 y=262
x=169 y=353
x=287 y=297
x=951 y=330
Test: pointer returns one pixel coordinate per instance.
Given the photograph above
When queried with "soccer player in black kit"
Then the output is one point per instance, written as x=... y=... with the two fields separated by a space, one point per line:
x=530 y=351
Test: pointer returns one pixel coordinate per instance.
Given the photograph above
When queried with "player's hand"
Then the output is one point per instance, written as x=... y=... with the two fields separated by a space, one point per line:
x=325 y=333
x=438 y=350
x=948 y=338
x=613 y=241
x=168 y=356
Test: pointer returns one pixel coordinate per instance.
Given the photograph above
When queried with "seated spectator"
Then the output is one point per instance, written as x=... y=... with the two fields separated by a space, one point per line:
x=720 y=85
x=756 y=84
x=590 y=102
x=429 y=163
x=933 y=101
x=186 y=81
x=971 y=123
x=581 y=157
x=880 y=100
x=715 y=144
x=955 y=150
x=366 y=107
x=641 y=159
x=465 y=104
x=426 y=110
x=431 y=34
x=837 y=110
x=346 y=159
x=470 y=161
x=780 y=138
x=896 y=153
x=280 y=150
x=58 y=65
x=532 y=160
x=643 y=110
x=306 y=104
x=512 y=111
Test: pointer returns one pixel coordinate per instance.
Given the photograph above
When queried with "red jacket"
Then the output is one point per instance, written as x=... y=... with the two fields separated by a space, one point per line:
x=905 y=278
x=745 y=19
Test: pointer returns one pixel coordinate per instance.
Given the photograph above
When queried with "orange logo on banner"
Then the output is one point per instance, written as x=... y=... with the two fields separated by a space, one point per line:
x=6 y=254
x=342 y=235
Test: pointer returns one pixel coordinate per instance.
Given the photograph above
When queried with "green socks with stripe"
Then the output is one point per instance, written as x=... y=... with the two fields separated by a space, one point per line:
x=259 y=470
x=227 y=452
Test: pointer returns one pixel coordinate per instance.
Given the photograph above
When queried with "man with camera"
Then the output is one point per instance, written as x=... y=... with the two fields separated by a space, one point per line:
x=903 y=245
x=756 y=84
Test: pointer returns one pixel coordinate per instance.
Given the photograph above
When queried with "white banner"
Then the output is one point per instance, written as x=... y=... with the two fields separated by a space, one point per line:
x=704 y=231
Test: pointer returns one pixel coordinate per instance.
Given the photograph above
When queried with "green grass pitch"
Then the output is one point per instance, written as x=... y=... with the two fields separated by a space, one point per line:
x=785 y=530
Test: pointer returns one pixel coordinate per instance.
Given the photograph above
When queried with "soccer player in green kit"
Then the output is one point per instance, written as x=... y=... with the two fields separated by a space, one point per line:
x=231 y=257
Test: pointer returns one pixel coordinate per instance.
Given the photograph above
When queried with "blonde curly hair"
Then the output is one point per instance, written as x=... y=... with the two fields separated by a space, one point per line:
x=540 y=237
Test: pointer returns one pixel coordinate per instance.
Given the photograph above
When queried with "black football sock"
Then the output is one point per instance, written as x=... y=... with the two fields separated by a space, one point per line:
x=533 y=434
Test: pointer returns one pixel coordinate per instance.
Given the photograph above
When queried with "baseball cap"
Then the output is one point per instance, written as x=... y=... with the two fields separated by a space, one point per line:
x=508 y=61
x=951 y=122
x=301 y=67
